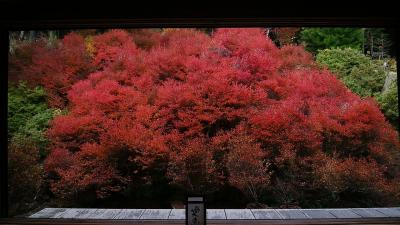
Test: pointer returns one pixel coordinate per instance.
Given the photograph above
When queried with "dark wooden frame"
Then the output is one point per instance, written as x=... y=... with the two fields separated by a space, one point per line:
x=202 y=22
x=14 y=15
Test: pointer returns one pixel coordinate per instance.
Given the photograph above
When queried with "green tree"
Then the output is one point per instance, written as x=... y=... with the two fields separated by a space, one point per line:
x=28 y=119
x=389 y=103
x=366 y=79
x=363 y=76
x=321 y=38
x=28 y=116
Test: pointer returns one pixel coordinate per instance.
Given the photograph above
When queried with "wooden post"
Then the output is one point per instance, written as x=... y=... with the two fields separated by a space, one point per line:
x=3 y=118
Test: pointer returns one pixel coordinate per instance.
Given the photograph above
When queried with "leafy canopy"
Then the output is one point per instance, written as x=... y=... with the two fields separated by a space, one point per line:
x=28 y=115
x=363 y=76
x=322 y=38
x=208 y=111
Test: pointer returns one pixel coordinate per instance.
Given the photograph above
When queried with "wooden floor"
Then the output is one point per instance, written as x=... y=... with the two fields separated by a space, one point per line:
x=218 y=214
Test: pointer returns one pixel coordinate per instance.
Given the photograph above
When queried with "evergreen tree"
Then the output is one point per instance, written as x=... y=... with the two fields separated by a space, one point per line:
x=322 y=38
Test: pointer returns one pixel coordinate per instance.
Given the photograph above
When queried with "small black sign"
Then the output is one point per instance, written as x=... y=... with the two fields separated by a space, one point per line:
x=195 y=211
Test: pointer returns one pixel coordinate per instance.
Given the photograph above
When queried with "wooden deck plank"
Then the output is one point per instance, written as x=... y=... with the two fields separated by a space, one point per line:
x=368 y=212
x=390 y=212
x=343 y=213
x=95 y=213
x=59 y=213
x=42 y=213
x=70 y=213
x=318 y=213
x=292 y=214
x=80 y=213
x=216 y=214
x=155 y=214
x=106 y=214
x=266 y=214
x=177 y=214
x=45 y=213
x=130 y=214
x=239 y=214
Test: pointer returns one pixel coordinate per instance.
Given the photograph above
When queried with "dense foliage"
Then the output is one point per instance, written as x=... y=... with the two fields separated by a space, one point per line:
x=56 y=68
x=362 y=75
x=322 y=38
x=389 y=102
x=28 y=118
x=210 y=111
x=24 y=177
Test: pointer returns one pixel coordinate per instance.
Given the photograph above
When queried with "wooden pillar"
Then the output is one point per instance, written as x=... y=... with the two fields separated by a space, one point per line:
x=3 y=118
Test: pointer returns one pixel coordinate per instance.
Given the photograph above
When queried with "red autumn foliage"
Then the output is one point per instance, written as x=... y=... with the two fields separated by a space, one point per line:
x=55 y=68
x=193 y=167
x=95 y=171
x=247 y=172
x=294 y=57
x=230 y=108
x=112 y=45
x=357 y=176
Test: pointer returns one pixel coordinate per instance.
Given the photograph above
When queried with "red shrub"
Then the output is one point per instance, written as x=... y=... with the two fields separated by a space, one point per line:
x=295 y=57
x=226 y=109
x=357 y=176
x=193 y=167
x=246 y=171
x=56 y=69
x=239 y=41
x=112 y=45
